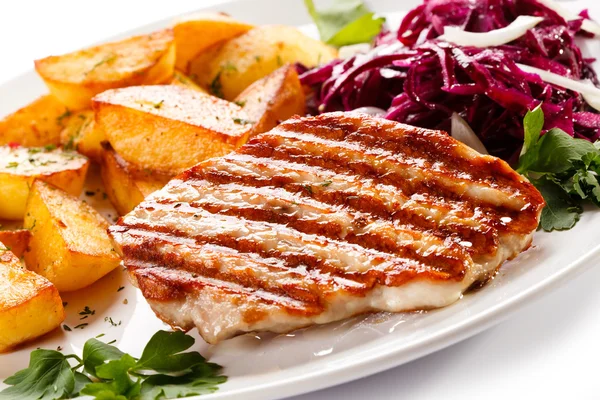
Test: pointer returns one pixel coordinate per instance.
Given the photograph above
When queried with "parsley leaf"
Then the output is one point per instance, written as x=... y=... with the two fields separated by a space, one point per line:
x=49 y=376
x=115 y=379
x=163 y=353
x=163 y=371
x=346 y=22
x=561 y=212
x=203 y=379
x=96 y=353
x=564 y=169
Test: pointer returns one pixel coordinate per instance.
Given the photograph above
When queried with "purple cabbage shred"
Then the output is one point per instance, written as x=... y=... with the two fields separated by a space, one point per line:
x=421 y=81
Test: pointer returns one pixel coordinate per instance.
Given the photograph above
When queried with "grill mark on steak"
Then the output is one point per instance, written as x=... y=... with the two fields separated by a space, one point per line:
x=272 y=240
x=312 y=217
x=362 y=196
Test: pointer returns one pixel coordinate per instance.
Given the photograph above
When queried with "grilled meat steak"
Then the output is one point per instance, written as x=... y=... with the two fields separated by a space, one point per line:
x=323 y=218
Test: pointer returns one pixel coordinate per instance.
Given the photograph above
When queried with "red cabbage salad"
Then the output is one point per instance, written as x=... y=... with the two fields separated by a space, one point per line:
x=418 y=75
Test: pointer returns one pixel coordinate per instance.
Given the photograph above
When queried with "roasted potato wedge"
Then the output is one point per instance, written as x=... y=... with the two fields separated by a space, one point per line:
x=225 y=70
x=37 y=124
x=16 y=240
x=20 y=166
x=197 y=32
x=169 y=128
x=69 y=244
x=90 y=141
x=30 y=305
x=273 y=99
x=74 y=127
x=125 y=186
x=76 y=77
x=179 y=79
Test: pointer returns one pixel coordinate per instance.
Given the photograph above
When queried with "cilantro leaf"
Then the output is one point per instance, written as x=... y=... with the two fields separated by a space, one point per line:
x=203 y=379
x=561 y=212
x=49 y=376
x=163 y=353
x=96 y=353
x=345 y=22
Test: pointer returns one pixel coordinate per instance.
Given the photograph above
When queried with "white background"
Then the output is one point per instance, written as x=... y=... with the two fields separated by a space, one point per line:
x=549 y=350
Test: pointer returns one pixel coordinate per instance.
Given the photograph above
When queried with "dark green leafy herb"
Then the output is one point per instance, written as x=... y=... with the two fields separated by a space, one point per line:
x=87 y=311
x=48 y=376
x=110 y=321
x=216 y=87
x=346 y=22
x=61 y=117
x=240 y=103
x=164 y=371
x=12 y=164
x=564 y=169
x=241 y=121
x=159 y=104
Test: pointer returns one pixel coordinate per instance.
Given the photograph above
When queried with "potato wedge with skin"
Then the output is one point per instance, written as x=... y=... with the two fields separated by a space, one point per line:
x=30 y=305
x=168 y=128
x=69 y=246
x=74 y=127
x=197 y=32
x=37 y=124
x=225 y=70
x=273 y=99
x=20 y=166
x=76 y=77
x=16 y=240
x=125 y=186
x=179 y=79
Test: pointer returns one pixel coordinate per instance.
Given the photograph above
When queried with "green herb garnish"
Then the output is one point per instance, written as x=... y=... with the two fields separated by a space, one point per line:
x=216 y=87
x=110 y=321
x=61 y=117
x=241 y=121
x=346 y=22
x=163 y=371
x=564 y=169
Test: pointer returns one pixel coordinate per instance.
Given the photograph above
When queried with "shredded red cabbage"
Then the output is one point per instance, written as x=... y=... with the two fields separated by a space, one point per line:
x=421 y=81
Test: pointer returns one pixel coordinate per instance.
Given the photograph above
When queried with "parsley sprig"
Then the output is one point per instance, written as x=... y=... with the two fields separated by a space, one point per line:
x=163 y=371
x=564 y=169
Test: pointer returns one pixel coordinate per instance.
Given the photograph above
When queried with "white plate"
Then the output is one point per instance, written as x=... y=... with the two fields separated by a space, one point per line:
x=268 y=366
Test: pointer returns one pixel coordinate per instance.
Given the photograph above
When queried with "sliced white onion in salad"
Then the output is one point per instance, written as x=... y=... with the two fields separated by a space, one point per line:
x=461 y=131
x=345 y=52
x=372 y=111
x=586 y=25
x=590 y=93
x=497 y=37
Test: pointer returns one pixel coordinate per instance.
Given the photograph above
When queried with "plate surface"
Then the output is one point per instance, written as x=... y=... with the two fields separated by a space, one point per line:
x=268 y=366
